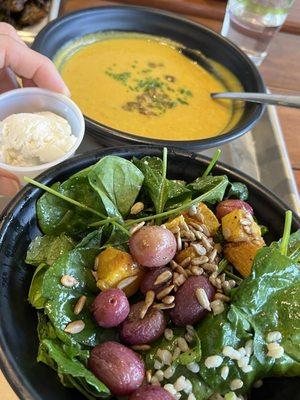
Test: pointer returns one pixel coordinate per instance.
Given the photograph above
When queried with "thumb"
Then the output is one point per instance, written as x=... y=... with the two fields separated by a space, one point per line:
x=9 y=183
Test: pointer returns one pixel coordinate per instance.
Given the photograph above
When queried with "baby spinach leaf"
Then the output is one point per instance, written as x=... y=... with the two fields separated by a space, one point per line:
x=61 y=300
x=238 y=190
x=165 y=194
x=48 y=248
x=57 y=216
x=92 y=240
x=66 y=366
x=205 y=184
x=293 y=250
x=35 y=295
x=118 y=182
x=268 y=300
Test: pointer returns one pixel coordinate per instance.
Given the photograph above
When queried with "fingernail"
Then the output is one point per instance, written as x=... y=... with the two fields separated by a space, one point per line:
x=8 y=187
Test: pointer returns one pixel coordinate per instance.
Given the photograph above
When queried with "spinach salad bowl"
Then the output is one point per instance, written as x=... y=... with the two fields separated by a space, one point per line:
x=265 y=303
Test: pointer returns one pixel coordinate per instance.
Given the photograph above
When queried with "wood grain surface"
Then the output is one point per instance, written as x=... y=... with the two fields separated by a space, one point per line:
x=280 y=71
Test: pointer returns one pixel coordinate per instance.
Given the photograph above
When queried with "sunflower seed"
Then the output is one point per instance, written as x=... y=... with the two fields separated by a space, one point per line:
x=192 y=210
x=245 y=221
x=200 y=250
x=224 y=372
x=185 y=262
x=217 y=307
x=136 y=228
x=165 y=356
x=163 y=293
x=176 y=353
x=220 y=296
x=184 y=226
x=209 y=267
x=196 y=270
x=169 y=372
x=148 y=375
x=159 y=375
x=79 y=305
x=182 y=344
x=226 y=287
x=179 y=279
x=150 y=295
x=213 y=361
x=206 y=243
x=196 y=226
x=248 y=230
x=236 y=384
x=137 y=208
x=161 y=306
x=163 y=277
x=213 y=255
x=178 y=241
x=126 y=282
x=75 y=327
x=202 y=298
x=168 y=299
x=169 y=334
x=199 y=216
x=199 y=260
x=274 y=336
x=68 y=281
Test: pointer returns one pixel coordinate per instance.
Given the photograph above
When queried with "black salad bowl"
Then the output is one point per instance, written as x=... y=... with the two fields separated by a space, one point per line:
x=18 y=320
x=159 y=23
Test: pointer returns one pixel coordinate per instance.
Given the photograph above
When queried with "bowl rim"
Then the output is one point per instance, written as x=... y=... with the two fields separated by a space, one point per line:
x=70 y=104
x=8 y=364
x=213 y=141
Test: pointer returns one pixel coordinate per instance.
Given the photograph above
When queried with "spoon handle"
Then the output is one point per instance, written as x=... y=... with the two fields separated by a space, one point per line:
x=265 y=98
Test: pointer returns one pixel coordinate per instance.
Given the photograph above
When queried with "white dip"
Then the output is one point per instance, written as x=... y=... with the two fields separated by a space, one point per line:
x=29 y=139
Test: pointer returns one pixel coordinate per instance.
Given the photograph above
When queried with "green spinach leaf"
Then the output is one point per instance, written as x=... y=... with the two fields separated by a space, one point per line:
x=118 y=182
x=61 y=300
x=238 y=190
x=205 y=184
x=35 y=295
x=164 y=195
x=57 y=216
x=48 y=248
x=268 y=300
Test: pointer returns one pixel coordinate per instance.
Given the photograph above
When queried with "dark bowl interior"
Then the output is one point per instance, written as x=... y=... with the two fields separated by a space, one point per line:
x=18 y=336
x=190 y=34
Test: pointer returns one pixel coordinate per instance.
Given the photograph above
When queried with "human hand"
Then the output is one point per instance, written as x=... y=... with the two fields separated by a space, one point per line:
x=16 y=59
x=9 y=183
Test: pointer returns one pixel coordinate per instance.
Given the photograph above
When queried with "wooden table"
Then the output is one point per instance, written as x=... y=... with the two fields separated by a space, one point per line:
x=280 y=70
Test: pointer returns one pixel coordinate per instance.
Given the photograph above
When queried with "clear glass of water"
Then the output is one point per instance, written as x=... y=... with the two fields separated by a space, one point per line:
x=251 y=24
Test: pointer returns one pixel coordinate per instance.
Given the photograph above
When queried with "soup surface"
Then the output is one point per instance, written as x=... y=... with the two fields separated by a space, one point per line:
x=143 y=85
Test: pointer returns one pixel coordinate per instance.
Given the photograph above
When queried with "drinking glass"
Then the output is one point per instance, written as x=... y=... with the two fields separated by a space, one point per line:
x=251 y=24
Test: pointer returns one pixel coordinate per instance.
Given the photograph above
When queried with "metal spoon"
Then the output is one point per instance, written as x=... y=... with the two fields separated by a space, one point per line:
x=265 y=98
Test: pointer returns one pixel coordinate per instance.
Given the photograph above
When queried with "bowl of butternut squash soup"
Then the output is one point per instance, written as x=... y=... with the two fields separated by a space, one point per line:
x=146 y=76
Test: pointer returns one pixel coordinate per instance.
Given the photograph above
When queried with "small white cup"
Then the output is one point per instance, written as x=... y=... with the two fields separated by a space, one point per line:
x=26 y=100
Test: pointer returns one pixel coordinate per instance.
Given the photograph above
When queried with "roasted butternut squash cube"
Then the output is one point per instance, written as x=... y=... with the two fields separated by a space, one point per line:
x=241 y=254
x=183 y=254
x=210 y=220
x=174 y=223
x=113 y=267
x=239 y=226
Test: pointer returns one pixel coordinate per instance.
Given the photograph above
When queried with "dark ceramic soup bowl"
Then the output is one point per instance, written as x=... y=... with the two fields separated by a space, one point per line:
x=192 y=35
x=18 y=320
